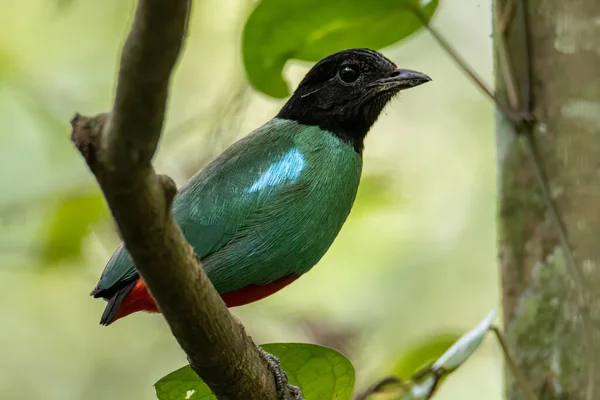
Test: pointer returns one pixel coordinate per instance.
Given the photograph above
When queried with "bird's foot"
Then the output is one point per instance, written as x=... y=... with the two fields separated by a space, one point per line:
x=281 y=379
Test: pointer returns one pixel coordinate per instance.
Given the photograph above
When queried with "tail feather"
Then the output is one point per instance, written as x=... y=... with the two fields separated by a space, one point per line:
x=114 y=302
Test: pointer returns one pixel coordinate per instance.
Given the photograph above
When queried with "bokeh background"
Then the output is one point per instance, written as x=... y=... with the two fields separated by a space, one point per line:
x=414 y=264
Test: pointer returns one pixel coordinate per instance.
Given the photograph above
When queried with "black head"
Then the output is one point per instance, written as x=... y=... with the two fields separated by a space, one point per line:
x=345 y=93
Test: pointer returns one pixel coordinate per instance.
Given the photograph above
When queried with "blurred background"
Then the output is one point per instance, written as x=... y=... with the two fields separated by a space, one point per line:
x=414 y=266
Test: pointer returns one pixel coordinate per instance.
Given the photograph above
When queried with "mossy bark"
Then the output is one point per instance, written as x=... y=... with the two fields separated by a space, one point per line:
x=541 y=302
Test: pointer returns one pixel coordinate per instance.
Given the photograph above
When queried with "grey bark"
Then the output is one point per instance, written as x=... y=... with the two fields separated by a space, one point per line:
x=544 y=306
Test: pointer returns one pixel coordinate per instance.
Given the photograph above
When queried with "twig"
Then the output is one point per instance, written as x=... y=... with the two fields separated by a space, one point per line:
x=118 y=148
x=504 y=60
x=507 y=15
x=465 y=67
x=526 y=389
x=377 y=386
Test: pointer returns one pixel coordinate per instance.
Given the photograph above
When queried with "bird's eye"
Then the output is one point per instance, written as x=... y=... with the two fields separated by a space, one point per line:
x=349 y=74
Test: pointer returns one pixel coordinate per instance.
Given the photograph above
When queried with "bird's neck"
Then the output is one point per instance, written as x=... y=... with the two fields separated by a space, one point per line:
x=347 y=126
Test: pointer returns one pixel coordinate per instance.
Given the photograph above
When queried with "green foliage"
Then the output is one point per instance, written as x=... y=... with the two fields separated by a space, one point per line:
x=378 y=274
x=423 y=354
x=183 y=384
x=424 y=383
x=309 y=30
x=321 y=373
x=69 y=223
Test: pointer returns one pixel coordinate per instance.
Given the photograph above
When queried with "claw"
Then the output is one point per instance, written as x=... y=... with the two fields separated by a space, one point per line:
x=281 y=379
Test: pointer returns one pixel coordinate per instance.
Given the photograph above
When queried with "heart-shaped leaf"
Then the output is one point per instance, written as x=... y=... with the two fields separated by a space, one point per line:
x=321 y=373
x=309 y=30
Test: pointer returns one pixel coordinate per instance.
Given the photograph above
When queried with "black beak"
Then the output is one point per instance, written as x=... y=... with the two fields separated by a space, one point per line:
x=401 y=79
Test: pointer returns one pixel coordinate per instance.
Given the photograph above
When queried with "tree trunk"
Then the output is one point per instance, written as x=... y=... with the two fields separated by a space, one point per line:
x=542 y=302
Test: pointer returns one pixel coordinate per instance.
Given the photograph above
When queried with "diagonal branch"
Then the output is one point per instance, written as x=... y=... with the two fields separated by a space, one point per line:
x=118 y=148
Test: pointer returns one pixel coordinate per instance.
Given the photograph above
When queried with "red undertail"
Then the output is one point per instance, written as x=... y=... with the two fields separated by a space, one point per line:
x=139 y=298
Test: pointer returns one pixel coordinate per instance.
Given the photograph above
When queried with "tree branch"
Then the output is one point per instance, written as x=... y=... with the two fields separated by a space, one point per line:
x=118 y=148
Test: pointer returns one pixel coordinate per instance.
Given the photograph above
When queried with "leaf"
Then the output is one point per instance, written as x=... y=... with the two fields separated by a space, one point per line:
x=183 y=384
x=69 y=223
x=424 y=383
x=277 y=31
x=423 y=354
x=464 y=347
x=321 y=373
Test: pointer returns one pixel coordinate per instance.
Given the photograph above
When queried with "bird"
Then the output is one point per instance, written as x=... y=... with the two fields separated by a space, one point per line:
x=265 y=211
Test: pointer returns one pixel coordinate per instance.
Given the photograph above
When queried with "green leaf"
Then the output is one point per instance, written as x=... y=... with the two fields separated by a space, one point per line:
x=424 y=383
x=321 y=373
x=422 y=354
x=182 y=384
x=464 y=347
x=277 y=31
x=69 y=223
